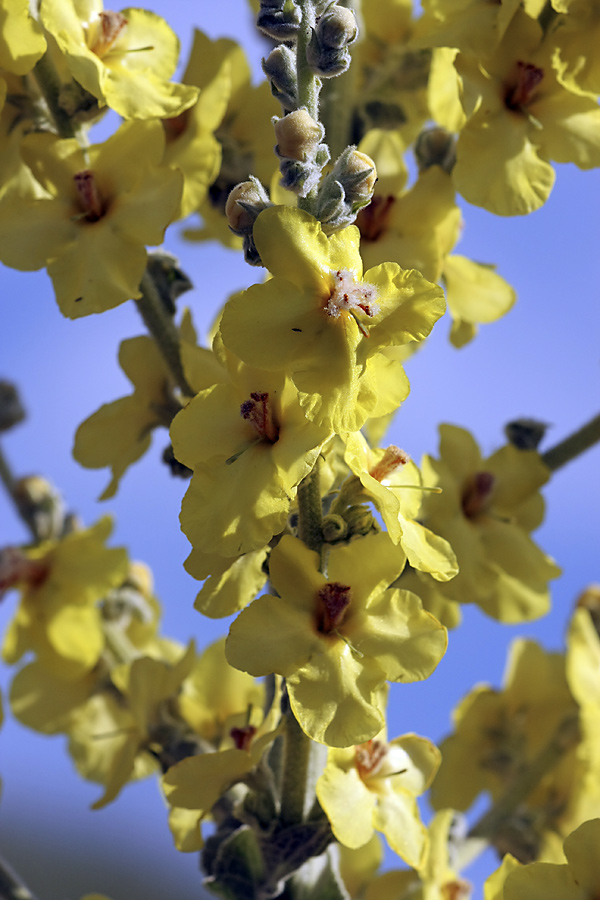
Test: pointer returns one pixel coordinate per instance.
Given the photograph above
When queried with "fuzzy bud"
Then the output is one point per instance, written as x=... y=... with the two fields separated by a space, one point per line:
x=279 y=19
x=337 y=28
x=298 y=135
x=327 y=52
x=280 y=69
x=346 y=189
x=435 y=147
x=41 y=504
x=244 y=203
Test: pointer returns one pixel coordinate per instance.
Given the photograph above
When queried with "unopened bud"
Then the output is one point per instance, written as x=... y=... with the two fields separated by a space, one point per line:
x=244 y=203
x=346 y=189
x=358 y=177
x=360 y=520
x=435 y=147
x=525 y=434
x=280 y=69
x=41 y=504
x=337 y=28
x=334 y=528
x=298 y=135
x=11 y=410
x=279 y=19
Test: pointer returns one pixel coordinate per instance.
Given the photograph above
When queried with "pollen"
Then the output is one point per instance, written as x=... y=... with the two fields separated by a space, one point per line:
x=90 y=199
x=334 y=600
x=369 y=757
x=348 y=295
x=258 y=411
x=105 y=31
x=391 y=460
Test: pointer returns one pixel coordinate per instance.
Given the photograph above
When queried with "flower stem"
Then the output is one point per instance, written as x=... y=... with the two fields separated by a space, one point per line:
x=303 y=763
x=159 y=322
x=309 y=85
x=572 y=446
x=310 y=512
x=564 y=738
x=8 y=480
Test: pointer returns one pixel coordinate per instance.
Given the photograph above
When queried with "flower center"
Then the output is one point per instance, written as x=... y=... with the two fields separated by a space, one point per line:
x=392 y=459
x=373 y=220
x=16 y=568
x=477 y=494
x=91 y=203
x=105 y=31
x=334 y=600
x=242 y=737
x=350 y=296
x=369 y=757
x=176 y=126
x=521 y=92
x=258 y=411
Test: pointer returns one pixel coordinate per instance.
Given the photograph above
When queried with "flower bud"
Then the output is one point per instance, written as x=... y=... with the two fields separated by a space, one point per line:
x=280 y=69
x=337 y=28
x=525 y=434
x=435 y=147
x=279 y=19
x=298 y=135
x=358 y=177
x=244 y=203
x=41 y=504
x=346 y=189
x=11 y=409
x=360 y=520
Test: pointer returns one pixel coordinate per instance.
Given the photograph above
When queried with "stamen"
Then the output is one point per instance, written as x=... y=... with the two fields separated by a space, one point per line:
x=389 y=462
x=108 y=28
x=521 y=93
x=259 y=413
x=373 y=220
x=334 y=600
x=349 y=296
x=90 y=200
x=369 y=757
x=242 y=737
x=477 y=494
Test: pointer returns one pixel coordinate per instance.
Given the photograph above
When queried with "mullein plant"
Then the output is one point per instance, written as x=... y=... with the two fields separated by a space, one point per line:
x=344 y=561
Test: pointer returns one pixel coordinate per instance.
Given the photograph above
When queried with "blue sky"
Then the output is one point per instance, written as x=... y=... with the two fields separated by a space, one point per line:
x=542 y=360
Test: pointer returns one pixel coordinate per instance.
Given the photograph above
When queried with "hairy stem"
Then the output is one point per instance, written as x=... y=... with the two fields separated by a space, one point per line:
x=310 y=514
x=159 y=322
x=572 y=446
x=309 y=85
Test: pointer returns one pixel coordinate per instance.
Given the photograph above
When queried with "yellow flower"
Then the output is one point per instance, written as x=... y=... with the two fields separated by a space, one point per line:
x=96 y=215
x=336 y=639
x=249 y=446
x=124 y=59
x=323 y=323
x=486 y=510
x=58 y=616
x=521 y=117
x=374 y=786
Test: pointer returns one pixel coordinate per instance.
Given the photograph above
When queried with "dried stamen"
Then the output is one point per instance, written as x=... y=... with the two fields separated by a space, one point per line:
x=108 y=28
x=391 y=460
x=90 y=199
x=350 y=296
x=477 y=494
x=17 y=569
x=334 y=599
x=373 y=220
x=242 y=737
x=369 y=757
x=521 y=93
x=258 y=412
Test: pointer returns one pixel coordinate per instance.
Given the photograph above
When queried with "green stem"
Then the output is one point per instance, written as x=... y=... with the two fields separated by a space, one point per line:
x=11 y=886
x=8 y=480
x=310 y=512
x=565 y=737
x=572 y=446
x=49 y=83
x=309 y=85
x=303 y=763
x=154 y=311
